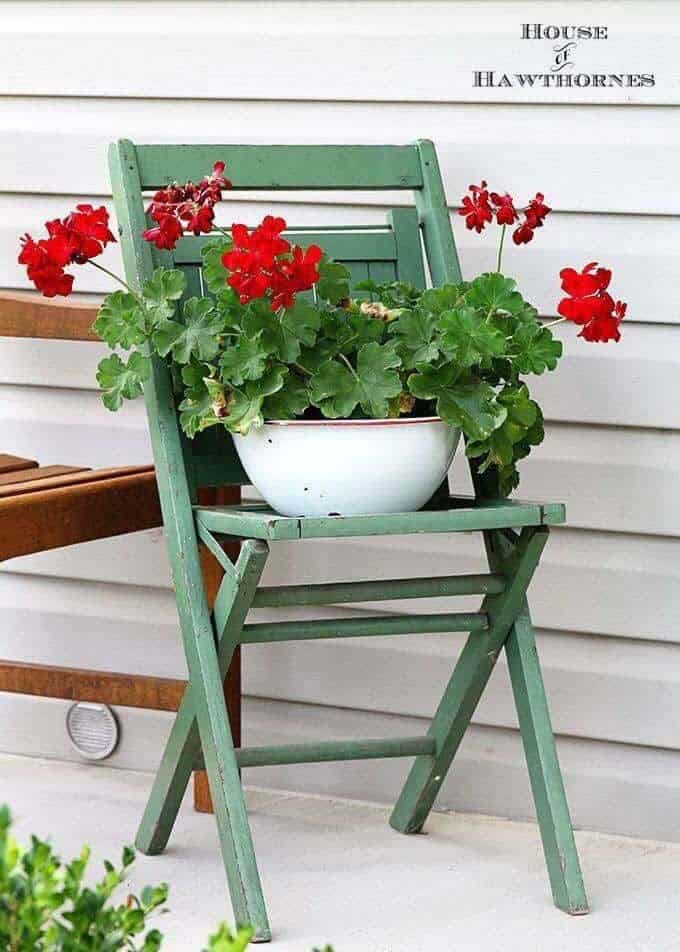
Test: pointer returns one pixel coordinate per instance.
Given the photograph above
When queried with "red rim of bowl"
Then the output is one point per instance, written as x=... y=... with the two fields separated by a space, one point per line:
x=402 y=421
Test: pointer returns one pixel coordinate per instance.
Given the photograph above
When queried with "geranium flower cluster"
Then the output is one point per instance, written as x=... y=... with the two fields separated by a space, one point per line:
x=182 y=208
x=262 y=263
x=589 y=304
x=481 y=207
x=76 y=239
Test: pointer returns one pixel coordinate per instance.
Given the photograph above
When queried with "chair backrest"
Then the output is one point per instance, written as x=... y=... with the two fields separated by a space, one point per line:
x=391 y=252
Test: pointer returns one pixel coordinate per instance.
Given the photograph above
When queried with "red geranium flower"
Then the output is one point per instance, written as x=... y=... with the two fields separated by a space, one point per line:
x=261 y=262
x=75 y=239
x=505 y=208
x=536 y=211
x=523 y=234
x=602 y=328
x=189 y=207
x=590 y=304
x=297 y=274
x=166 y=233
x=479 y=210
x=476 y=210
x=590 y=280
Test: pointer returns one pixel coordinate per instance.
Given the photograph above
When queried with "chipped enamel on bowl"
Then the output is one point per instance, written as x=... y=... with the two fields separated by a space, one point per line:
x=348 y=467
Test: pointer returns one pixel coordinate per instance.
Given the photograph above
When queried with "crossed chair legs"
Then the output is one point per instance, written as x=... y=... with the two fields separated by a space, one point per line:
x=201 y=735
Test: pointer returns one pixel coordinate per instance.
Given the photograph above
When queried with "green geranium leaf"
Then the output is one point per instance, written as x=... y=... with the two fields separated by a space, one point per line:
x=119 y=380
x=196 y=411
x=534 y=349
x=468 y=339
x=394 y=294
x=198 y=336
x=334 y=389
x=494 y=292
x=276 y=339
x=120 y=320
x=333 y=284
x=472 y=406
x=431 y=382
x=378 y=379
x=302 y=321
x=360 y=329
x=161 y=292
x=246 y=360
x=512 y=441
x=245 y=403
x=311 y=358
x=214 y=273
x=289 y=402
x=438 y=300
x=165 y=336
x=416 y=332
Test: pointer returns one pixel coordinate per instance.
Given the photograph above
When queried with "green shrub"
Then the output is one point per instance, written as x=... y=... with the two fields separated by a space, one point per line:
x=45 y=906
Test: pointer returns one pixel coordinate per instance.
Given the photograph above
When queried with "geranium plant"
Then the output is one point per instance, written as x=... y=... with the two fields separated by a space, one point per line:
x=282 y=335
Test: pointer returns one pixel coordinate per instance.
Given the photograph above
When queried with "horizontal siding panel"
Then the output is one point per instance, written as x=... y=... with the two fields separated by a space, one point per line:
x=590 y=582
x=601 y=688
x=247 y=33
x=71 y=426
x=58 y=146
x=628 y=383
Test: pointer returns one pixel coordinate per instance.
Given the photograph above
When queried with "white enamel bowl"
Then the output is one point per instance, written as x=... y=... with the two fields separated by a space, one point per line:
x=347 y=467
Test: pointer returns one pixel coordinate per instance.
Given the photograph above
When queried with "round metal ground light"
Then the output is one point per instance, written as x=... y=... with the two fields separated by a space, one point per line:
x=92 y=729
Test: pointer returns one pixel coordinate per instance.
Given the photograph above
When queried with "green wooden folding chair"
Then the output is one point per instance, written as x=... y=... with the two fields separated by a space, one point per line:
x=514 y=533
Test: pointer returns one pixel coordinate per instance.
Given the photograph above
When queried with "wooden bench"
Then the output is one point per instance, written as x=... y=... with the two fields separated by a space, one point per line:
x=53 y=505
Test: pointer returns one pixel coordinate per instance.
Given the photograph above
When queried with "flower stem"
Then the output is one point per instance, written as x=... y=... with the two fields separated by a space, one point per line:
x=114 y=276
x=222 y=230
x=500 y=249
x=560 y=320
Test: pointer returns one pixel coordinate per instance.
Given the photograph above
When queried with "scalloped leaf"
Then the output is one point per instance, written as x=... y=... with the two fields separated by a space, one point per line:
x=468 y=339
x=120 y=320
x=494 y=292
x=120 y=380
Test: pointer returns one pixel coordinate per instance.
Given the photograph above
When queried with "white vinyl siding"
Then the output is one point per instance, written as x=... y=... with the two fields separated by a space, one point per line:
x=606 y=599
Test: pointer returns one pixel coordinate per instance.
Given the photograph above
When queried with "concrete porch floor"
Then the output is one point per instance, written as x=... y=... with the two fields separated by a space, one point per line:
x=333 y=871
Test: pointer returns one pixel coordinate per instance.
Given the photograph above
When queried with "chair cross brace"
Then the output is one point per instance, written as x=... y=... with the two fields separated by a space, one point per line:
x=501 y=621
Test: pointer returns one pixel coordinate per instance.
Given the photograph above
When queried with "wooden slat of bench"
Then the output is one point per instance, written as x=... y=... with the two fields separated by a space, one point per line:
x=12 y=464
x=66 y=515
x=37 y=474
x=75 y=684
x=74 y=478
x=26 y=315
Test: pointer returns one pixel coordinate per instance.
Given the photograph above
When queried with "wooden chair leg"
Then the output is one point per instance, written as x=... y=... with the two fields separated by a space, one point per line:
x=202 y=723
x=212 y=577
x=552 y=810
x=468 y=681
x=232 y=695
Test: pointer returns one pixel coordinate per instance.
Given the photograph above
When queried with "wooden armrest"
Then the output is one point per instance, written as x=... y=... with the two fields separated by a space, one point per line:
x=23 y=314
